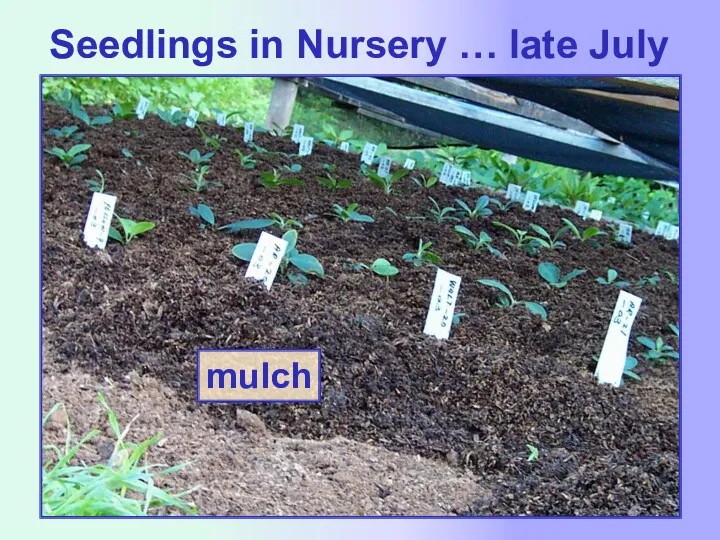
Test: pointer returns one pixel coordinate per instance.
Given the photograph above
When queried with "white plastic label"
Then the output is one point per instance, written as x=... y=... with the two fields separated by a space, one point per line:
x=442 y=305
x=673 y=233
x=345 y=146
x=595 y=215
x=409 y=164
x=662 y=228
x=266 y=259
x=97 y=226
x=532 y=198
x=646 y=215
x=142 y=107
x=221 y=119
x=192 y=118
x=455 y=176
x=306 y=146
x=466 y=178
x=514 y=192
x=611 y=364
x=624 y=233
x=297 y=133
x=509 y=158
x=384 y=167
x=248 y=132
x=446 y=173
x=368 y=153
x=582 y=208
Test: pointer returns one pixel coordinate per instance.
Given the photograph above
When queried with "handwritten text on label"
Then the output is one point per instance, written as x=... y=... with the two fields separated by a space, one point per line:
x=97 y=225
x=192 y=118
x=611 y=364
x=142 y=107
x=266 y=259
x=368 y=153
x=248 y=132
x=442 y=305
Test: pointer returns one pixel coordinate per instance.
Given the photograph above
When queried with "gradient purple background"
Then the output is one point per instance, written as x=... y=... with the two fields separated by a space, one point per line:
x=472 y=25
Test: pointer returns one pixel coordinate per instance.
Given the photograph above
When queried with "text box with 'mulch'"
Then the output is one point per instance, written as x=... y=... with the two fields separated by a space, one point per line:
x=259 y=375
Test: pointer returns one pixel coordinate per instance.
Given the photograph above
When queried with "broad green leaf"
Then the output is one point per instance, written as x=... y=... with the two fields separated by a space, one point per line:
x=630 y=363
x=244 y=251
x=206 y=213
x=571 y=226
x=647 y=342
x=573 y=274
x=141 y=227
x=538 y=229
x=101 y=120
x=115 y=235
x=497 y=285
x=464 y=231
x=290 y=237
x=549 y=272
x=78 y=148
x=355 y=216
x=464 y=206
x=383 y=267
x=247 y=224
x=632 y=375
x=308 y=264
x=536 y=309
x=612 y=275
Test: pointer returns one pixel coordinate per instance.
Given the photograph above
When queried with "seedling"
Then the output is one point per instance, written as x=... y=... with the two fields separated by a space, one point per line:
x=457 y=318
x=534 y=452
x=176 y=118
x=274 y=179
x=504 y=206
x=480 y=210
x=214 y=141
x=672 y=276
x=382 y=267
x=425 y=181
x=653 y=280
x=507 y=300
x=197 y=158
x=547 y=241
x=423 y=255
x=247 y=162
x=94 y=185
x=205 y=213
x=306 y=264
x=630 y=364
x=198 y=179
x=293 y=168
x=529 y=244
x=442 y=215
x=333 y=183
x=657 y=351
x=247 y=224
x=387 y=183
x=675 y=330
x=551 y=273
x=330 y=167
x=349 y=214
x=77 y=110
x=284 y=223
x=332 y=138
x=125 y=485
x=477 y=242
x=130 y=228
x=129 y=155
x=586 y=235
x=123 y=111
x=66 y=132
x=611 y=279
x=71 y=158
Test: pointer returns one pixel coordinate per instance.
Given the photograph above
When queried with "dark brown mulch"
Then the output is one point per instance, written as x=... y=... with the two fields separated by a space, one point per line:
x=505 y=379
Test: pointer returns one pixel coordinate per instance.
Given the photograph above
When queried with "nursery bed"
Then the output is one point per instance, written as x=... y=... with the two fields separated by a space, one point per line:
x=505 y=378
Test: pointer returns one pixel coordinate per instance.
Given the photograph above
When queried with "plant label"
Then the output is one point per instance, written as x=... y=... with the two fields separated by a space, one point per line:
x=582 y=209
x=297 y=133
x=624 y=233
x=646 y=215
x=611 y=364
x=97 y=226
x=192 y=118
x=446 y=173
x=266 y=259
x=455 y=176
x=174 y=109
x=514 y=192
x=368 y=153
x=466 y=178
x=221 y=119
x=509 y=158
x=662 y=228
x=532 y=198
x=611 y=200
x=595 y=215
x=306 y=146
x=442 y=305
x=384 y=167
x=248 y=132
x=673 y=233
x=409 y=164
x=142 y=107
x=344 y=146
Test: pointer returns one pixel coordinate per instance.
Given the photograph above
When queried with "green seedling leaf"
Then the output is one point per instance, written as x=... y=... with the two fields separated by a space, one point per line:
x=204 y=212
x=549 y=272
x=244 y=252
x=307 y=263
x=247 y=224
x=383 y=267
x=534 y=452
x=536 y=309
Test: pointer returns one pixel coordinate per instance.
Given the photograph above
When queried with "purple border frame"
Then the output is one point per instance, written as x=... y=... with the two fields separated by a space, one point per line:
x=493 y=517
x=197 y=377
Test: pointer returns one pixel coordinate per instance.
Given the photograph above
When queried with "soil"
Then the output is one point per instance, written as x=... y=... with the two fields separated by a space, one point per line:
x=132 y=317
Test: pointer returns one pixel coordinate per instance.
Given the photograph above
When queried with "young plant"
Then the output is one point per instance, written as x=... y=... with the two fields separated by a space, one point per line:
x=247 y=162
x=504 y=206
x=387 y=183
x=545 y=240
x=94 y=185
x=657 y=351
x=425 y=181
x=284 y=223
x=77 y=110
x=126 y=485
x=274 y=180
x=534 y=452
x=611 y=279
x=551 y=273
x=477 y=242
x=349 y=214
x=293 y=168
x=529 y=244
x=205 y=213
x=586 y=235
x=199 y=182
x=71 y=158
x=333 y=183
x=66 y=132
x=506 y=299
x=332 y=138
x=441 y=215
x=382 y=267
x=130 y=228
x=630 y=364
x=123 y=111
x=175 y=118
x=214 y=141
x=197 y=158
x=306 y=264
x=479 y=210
x=423 y=255
x=653 y=280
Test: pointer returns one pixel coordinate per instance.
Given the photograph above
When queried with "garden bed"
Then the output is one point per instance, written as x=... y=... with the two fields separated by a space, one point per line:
x=503 y=380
